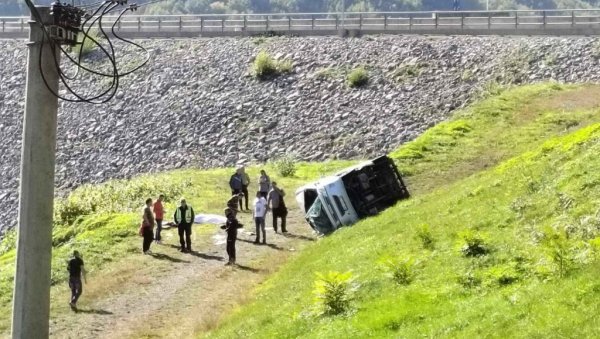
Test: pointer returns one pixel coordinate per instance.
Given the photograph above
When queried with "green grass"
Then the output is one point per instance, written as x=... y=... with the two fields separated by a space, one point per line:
x=104 y=219
x=517 y=171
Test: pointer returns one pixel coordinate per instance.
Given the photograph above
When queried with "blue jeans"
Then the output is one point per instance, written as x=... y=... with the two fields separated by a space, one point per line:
x=260 y=227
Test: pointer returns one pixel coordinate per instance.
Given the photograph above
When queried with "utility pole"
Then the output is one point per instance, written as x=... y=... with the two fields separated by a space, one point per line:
x=31 y=299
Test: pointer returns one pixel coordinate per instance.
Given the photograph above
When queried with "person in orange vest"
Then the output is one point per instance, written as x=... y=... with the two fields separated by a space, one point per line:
x=159 y=213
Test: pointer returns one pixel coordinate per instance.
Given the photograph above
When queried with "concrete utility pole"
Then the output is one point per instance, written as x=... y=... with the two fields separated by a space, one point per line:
x=31 y=299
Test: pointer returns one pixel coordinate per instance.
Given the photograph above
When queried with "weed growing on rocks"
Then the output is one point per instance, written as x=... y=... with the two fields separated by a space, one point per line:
x=266 y=67
x=358 y=77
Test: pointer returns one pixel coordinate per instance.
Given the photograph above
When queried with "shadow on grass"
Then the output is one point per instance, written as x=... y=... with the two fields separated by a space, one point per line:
x=207 y=256
x=250 y=269
x=273 y=246
x=93 y=311
x=300 y=237
x=161 y=256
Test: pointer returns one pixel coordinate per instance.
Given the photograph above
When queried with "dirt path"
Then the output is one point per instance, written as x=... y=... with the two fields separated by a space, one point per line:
x=171 y=294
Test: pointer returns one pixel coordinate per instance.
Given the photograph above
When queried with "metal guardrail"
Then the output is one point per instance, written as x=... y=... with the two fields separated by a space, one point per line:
x=527 y=22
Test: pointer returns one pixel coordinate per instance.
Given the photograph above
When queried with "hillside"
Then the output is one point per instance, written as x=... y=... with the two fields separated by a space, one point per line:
x=513 y=174
x=197 y=104
x=504 y=242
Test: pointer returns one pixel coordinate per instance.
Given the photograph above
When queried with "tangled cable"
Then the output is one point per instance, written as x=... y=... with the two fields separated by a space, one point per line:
x=106 y=73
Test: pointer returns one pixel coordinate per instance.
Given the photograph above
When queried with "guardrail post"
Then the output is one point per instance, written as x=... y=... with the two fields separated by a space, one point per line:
x=312 y=24
x=245 y=28
x=360 y=24
x=410 y=22
x=516 y=20
x=289 y=23
x=3 y=25
x=22 y=25
x=222 y=24
x=462 y=20
x=180 y=24
x=119 y=25
x=572 y=18
x=385 y=22
x=267 y=24
x=489 y=21
x=139 y=24
x=159 y=24
x=201 y=24
x=337 y=24
x=436 y=20
x=544 y=18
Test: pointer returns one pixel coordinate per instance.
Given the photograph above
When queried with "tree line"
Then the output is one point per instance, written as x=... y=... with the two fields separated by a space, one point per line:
x=17 y=7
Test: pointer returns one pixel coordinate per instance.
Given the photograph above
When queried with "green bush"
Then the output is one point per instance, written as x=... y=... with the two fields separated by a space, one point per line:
x=426 y=238
x=358 y=77
x=473 y=245
x=401 y=271
x=333 y=292
x=266 y=67
x=559 y=250
x=285 y=165
x=87 y=46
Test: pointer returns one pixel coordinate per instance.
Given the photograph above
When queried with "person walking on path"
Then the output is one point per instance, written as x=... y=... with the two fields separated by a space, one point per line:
x=147 y=227
x=76 y=270
x=159 y=213
x=184 y=217
x=235 y=183
x=245 y=183
x=231 y=227
x=264 y=184
x=277 y=205
x=259 y=214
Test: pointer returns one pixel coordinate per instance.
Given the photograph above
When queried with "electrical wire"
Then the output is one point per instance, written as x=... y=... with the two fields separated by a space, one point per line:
x=96 y=18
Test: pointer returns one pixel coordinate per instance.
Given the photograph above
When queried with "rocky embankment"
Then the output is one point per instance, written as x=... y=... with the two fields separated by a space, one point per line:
x=196 y=103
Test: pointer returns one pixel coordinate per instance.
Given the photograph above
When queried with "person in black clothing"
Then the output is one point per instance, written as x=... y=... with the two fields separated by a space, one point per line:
x=147 y=227
x=231 y=227
x=184 y=217
x=76 y=270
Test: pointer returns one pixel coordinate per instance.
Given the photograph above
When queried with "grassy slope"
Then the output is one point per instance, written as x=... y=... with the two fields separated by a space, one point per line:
x=518 y=171
x=109 y=233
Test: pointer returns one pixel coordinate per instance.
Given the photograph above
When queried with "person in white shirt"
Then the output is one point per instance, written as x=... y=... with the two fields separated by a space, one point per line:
x=259 y=214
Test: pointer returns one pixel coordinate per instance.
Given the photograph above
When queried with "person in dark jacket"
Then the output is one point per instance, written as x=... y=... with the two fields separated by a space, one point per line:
x=277 y=206
x=76 y=271
x=147 y=227
x=233 y=202
x=231 y=227
x=236 y=185
x=184 y=217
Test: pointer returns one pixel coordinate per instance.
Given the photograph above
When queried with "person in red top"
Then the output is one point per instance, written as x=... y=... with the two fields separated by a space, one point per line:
x=159 y=213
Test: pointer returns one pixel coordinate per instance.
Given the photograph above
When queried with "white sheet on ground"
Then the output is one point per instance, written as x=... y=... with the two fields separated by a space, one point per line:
x=209 y=219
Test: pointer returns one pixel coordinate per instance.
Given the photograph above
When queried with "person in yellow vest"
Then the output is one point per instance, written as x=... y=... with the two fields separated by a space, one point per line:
x=184 y=218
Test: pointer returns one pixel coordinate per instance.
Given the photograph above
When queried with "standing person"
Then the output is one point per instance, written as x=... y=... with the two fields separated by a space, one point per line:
x=277 y=206
x=147 y=227
x=159 y=213
x=259 y=214
x=76 y=270
x=231 y=227
x=233 y=202
x=264 y=184
x=245 y=183
x=184 y=217
x=235 y=182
